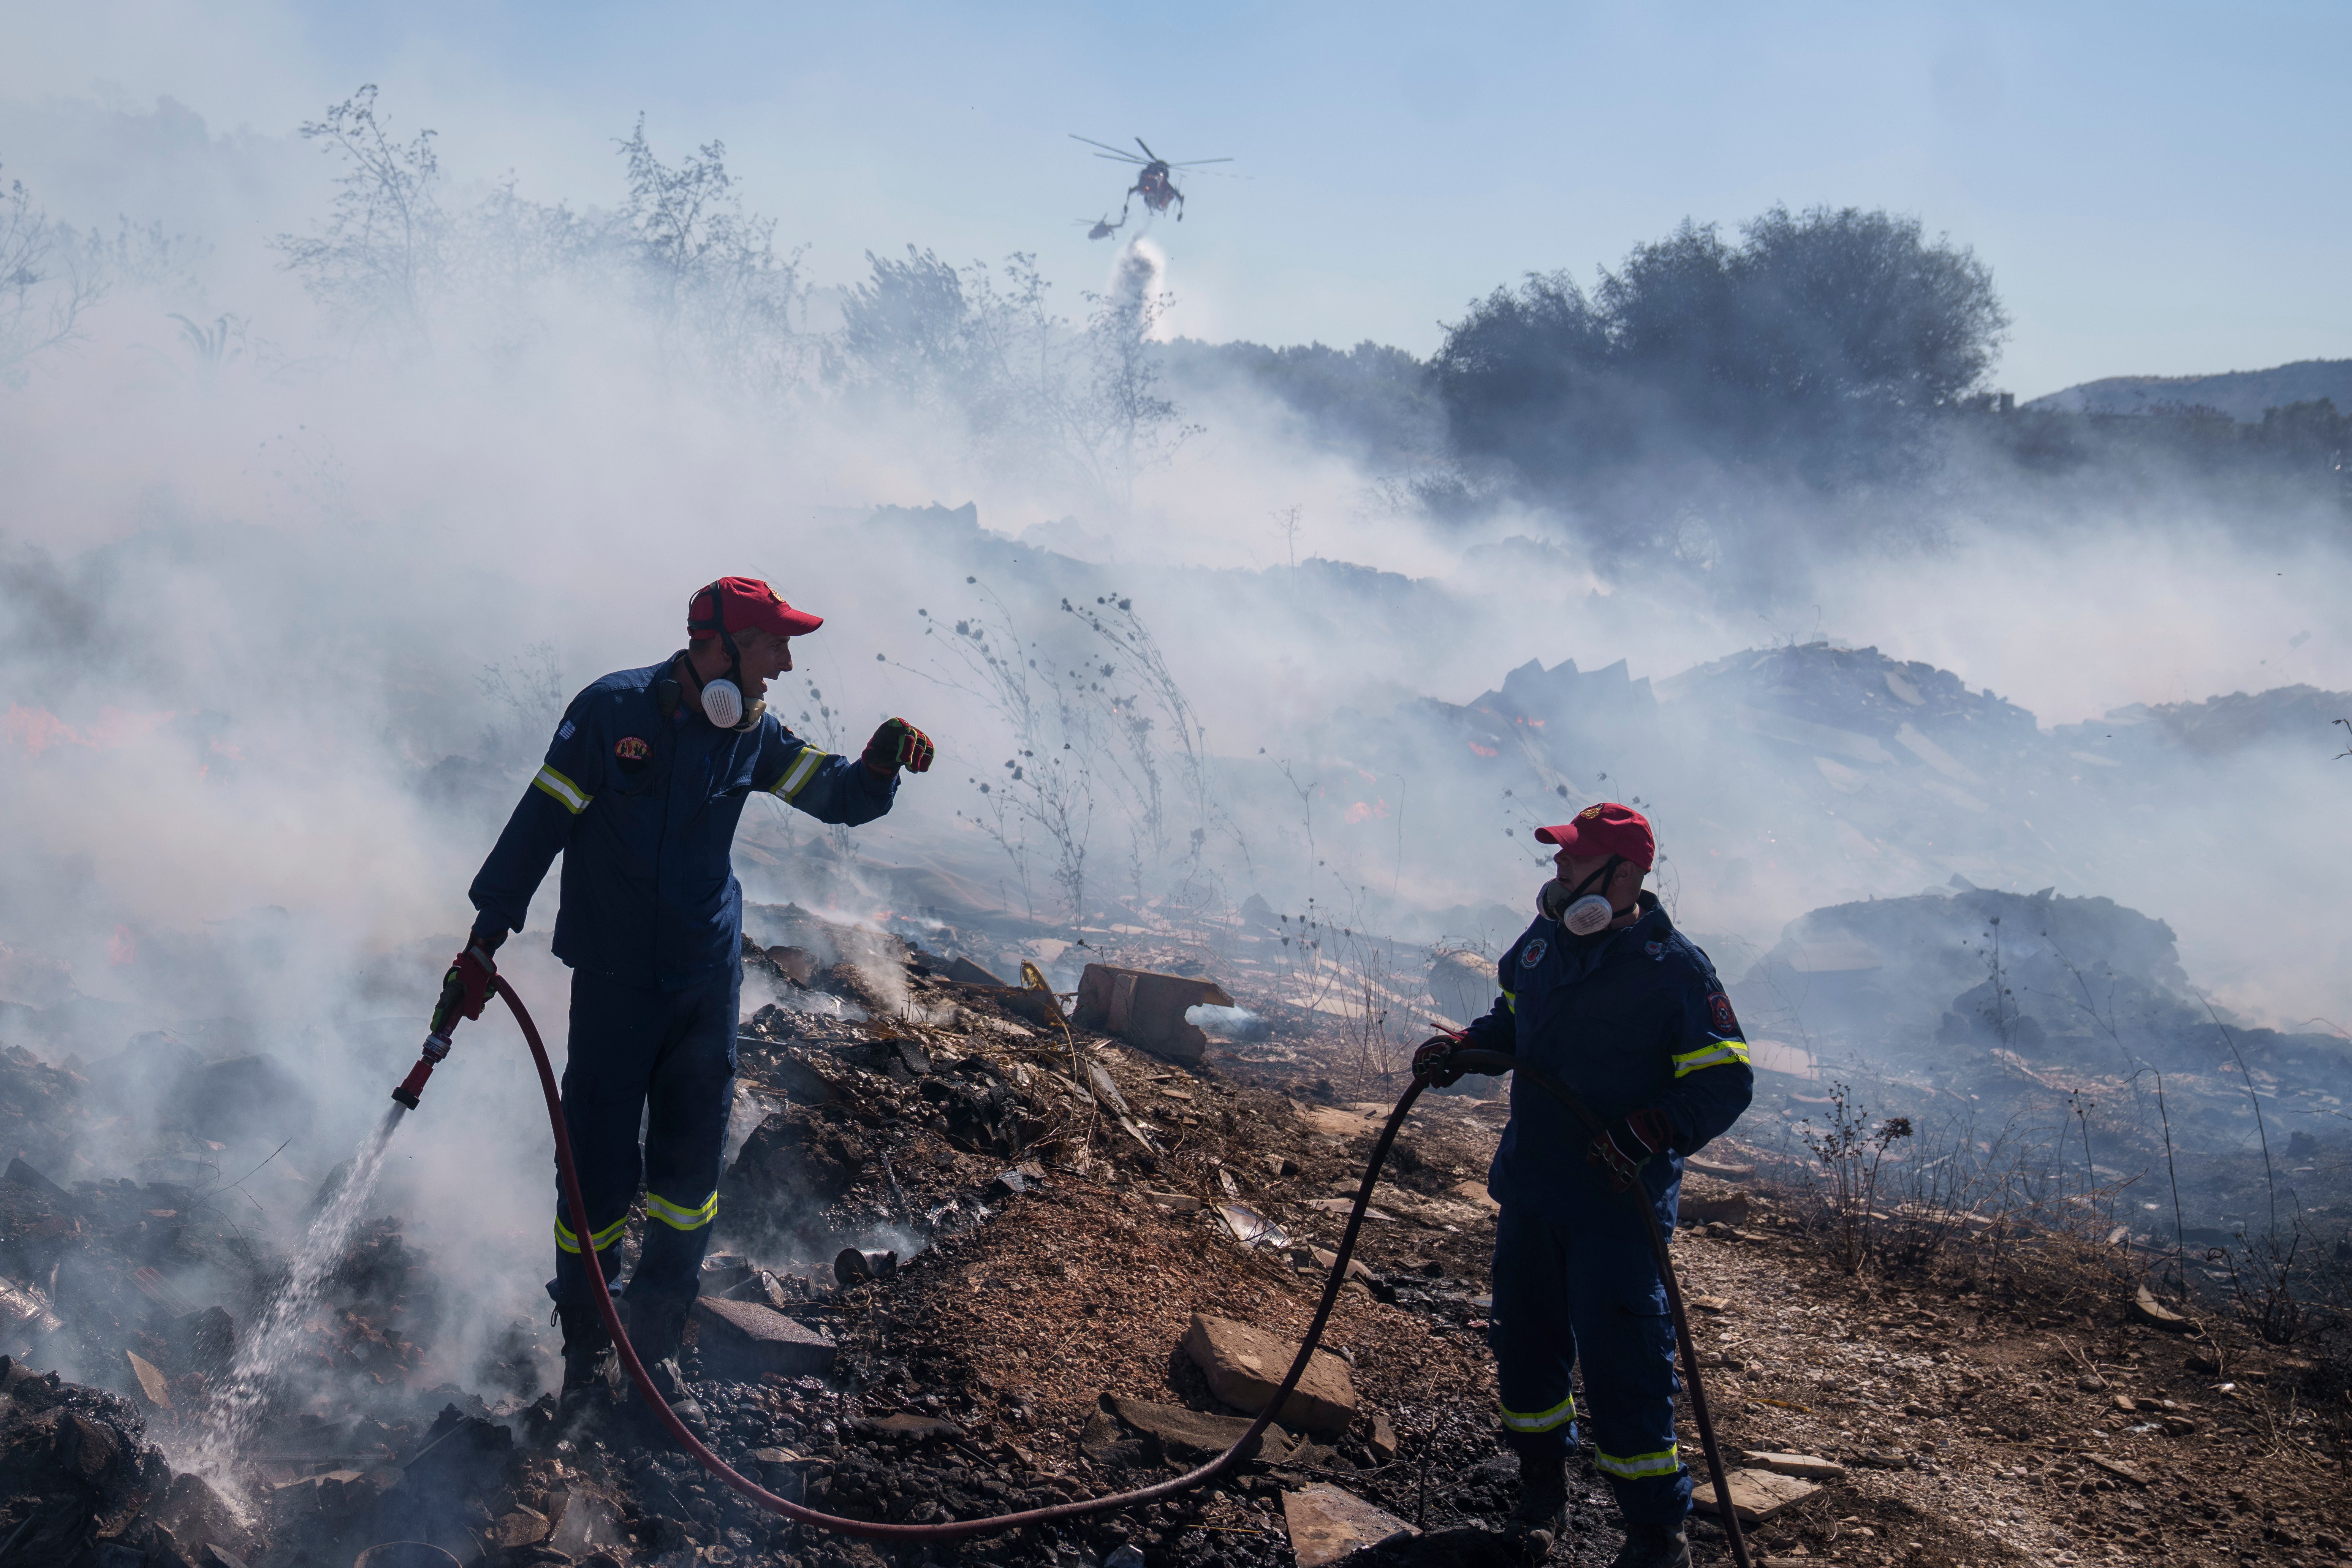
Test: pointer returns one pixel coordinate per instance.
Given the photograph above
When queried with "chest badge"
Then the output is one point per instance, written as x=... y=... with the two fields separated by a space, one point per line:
x=1532 y=954
x=631 y=753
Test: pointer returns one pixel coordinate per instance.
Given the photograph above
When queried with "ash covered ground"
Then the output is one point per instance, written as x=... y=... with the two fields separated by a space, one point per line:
x=2027 y=1328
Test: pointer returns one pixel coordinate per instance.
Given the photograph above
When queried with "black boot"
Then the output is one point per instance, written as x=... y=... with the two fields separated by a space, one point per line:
x=657 y=1332
x=1654 y=1546
x=1542 y=1510
x=588 y=1365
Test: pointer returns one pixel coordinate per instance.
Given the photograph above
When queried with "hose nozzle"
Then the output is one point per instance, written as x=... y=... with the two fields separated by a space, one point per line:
x=436 y=1045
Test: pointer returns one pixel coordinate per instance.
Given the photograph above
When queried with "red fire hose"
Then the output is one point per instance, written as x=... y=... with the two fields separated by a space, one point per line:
x=1482 y=1061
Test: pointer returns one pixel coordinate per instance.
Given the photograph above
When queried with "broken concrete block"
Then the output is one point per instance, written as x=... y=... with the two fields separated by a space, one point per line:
x=152 y=1382
x=1196 y=1434
x=1757 y=1495
x=1246 y=1365
x=1384 y=1438
x=522 y=1527
x=745 y=1341
x=1146 y=1010
x=1804 y=1467
x=1327 y=1524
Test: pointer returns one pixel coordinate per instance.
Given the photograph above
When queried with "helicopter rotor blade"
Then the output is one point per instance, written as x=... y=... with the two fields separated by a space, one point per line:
x=1108 y=150
x=1147 y=149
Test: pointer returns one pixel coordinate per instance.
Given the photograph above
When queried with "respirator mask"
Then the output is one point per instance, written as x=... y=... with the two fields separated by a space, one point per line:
x=1580 y=913
x=722 y=698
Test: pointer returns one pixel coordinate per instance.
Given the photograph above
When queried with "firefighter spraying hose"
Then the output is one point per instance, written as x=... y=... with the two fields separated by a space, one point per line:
x=1461 y=1058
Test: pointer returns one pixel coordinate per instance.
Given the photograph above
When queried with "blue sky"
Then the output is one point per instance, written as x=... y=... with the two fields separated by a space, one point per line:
x=2160 y=189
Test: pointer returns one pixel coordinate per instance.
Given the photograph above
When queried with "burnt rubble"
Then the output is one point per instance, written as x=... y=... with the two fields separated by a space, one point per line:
x=967 y=1235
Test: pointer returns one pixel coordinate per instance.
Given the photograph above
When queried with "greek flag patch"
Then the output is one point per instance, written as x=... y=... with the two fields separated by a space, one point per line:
x=563 y=731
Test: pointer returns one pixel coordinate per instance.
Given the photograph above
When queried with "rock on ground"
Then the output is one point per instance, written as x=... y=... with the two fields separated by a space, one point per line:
x=1245 y=1366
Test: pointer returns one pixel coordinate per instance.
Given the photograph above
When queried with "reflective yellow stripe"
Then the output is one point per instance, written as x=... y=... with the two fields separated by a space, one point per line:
x=1543 y=1420
x=568 y=795
x=569 y=1239
x=1511 y=1000
x=679 y=1218
x=1714 y=1053
x=803 y=769
x=1641 y=1465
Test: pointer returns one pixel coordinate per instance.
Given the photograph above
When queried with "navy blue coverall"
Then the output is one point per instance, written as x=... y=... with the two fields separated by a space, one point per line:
x=642 y=801
x=1634 y=1019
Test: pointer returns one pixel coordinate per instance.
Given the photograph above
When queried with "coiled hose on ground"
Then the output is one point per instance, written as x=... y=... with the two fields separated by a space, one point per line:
x=1060 y=1513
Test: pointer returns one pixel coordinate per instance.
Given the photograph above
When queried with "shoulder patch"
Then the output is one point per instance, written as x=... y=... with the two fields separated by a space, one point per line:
x=563 y=732
x=1532 y=955
x=1656 y=950
x=1720 y=1016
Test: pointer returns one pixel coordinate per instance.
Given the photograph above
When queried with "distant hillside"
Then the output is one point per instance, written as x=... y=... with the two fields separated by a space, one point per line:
x=2240 y=394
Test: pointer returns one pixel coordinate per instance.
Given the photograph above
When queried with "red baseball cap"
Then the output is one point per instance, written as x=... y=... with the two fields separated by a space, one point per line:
x=751 y=606
x=1605 y=829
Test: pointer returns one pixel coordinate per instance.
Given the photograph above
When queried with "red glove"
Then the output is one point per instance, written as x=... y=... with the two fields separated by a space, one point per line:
x=465 y=989
x=1430 y=1060
x=898 y=744
x=1627 y=1144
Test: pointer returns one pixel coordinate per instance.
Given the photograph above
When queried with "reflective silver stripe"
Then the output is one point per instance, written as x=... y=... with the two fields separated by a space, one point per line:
x=569 y=1240
x=1638 y=1465
x=804 y=768
x=678 y=1218
x=1542 y=1420
x=1714 y=1053
x=568 y=795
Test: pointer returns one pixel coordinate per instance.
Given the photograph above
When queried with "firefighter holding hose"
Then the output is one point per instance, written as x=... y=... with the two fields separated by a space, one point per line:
x=1603 y=993
x=640 y=793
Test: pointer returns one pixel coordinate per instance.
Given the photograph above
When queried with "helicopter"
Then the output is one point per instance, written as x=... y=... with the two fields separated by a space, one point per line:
x=1154 y=185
